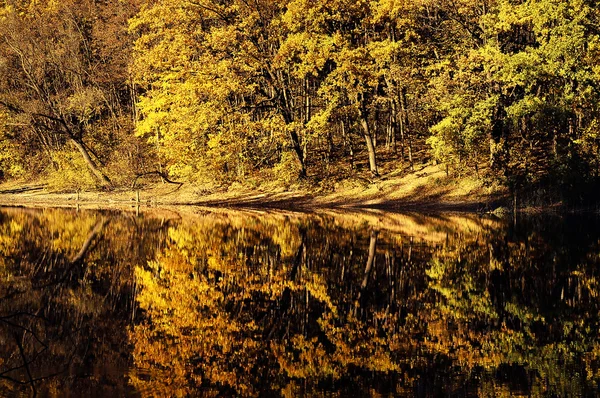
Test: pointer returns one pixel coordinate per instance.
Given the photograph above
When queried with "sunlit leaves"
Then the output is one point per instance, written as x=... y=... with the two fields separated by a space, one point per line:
x=535 y=70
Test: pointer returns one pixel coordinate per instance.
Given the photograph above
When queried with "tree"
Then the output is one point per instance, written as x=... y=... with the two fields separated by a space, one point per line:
x=58 y=82
x=527 y=85
x=214 y=96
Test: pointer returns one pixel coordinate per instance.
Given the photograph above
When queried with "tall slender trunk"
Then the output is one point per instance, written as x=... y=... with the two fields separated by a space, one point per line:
x=393 y=127
x=296 y=144
x=364 y=122
x=555 y=143
x=348 y=142
x=370 y=147
x=405 y=127
x=286 y=107
x=299 y=152
x=330 y=148
x=492 y=151
x=46 y=146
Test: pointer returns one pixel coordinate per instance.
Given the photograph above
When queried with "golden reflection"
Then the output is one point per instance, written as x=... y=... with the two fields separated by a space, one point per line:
x=248 y=304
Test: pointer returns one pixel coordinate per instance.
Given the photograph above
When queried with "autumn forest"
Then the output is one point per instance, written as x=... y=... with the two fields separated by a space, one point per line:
x=98 y=92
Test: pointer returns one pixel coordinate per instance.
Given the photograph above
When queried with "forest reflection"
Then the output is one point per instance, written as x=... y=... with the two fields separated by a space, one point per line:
x=249 y=304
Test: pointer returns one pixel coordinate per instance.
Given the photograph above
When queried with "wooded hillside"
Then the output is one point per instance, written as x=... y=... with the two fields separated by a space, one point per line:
x=95 y=93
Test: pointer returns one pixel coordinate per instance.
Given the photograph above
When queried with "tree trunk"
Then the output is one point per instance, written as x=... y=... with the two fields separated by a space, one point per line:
x=296 y=145
x=286 y=107
x=370 y=147
x=348 y=142
x=369 y=141
x=492 y=152
x=299 y=152
x=330 y=148
x=555 y=143
x=90 y=163
x=400 y=119
x=393 y=126
x=405 y=124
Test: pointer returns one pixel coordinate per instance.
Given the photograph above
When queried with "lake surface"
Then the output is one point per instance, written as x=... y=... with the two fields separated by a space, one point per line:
x=260 y=304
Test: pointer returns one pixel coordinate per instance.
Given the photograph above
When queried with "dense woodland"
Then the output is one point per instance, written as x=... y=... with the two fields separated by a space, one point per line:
x=96 y=92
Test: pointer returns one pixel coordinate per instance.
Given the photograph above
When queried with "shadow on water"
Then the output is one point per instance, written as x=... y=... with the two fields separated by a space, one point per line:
x=246 y=304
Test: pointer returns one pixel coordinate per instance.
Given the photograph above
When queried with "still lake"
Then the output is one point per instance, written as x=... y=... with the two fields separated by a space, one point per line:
x=250 y=303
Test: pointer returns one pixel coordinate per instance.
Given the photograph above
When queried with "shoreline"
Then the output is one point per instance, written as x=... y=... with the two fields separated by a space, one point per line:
x=283 y=202
x=428 y=190
x=295 y=204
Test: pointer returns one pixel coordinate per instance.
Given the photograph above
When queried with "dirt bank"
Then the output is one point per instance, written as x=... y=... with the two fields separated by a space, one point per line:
x=426 y=189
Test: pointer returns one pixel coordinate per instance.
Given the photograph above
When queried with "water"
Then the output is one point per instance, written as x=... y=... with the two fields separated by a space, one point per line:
x=255 y=304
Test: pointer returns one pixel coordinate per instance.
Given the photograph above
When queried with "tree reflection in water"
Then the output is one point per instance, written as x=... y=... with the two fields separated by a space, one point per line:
x=251 y=304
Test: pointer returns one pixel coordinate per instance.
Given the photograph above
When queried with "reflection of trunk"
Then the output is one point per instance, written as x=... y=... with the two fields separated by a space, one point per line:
x=285 y=304
x=90 y=163
x=77 y=262
x=299 y=258
x=88 y=242
x=364 y=122
x=369 y=267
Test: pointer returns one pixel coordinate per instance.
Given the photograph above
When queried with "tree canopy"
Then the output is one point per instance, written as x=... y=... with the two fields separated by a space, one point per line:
x=223 y=90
